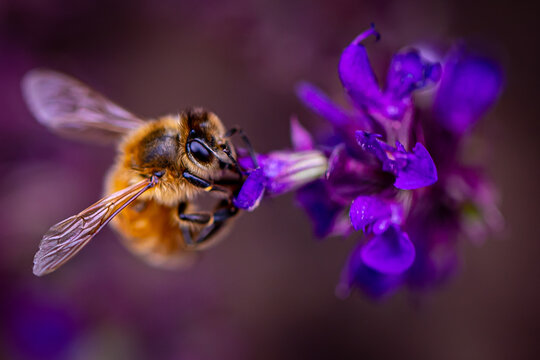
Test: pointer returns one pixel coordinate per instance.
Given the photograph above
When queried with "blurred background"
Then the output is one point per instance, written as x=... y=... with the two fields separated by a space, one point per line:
x=267 y=291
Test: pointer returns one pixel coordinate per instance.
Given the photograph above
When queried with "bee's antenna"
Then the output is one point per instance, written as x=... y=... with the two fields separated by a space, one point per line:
x=227 y=150
x=245 y=139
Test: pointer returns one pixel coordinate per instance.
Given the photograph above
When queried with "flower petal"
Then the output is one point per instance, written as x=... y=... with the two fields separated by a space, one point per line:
x=316 y=201
x=321 y=105
x=412 y=170
x=287 y=170
x=344 y=122
x=419 y=171
x=389 y=253
x=366 y=210
x=356 y=73
x=252 y=191
x=409 y=72
x=470 y=85
x=300 y=137
x=372 y=282
x=372 y=144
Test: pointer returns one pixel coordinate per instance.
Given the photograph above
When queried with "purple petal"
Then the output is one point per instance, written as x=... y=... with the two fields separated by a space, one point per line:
x=316 y=201
x=320 y=104
x=470 y=85
x=300 y=137
x=252 y=191
x=412 y=170
x=434 y=72
x=372 y=144
x=409 y=72
x=246 y=161
x=373 y=283
x=366 y=210
x=288 y=170
x=419 y=171
x=344 y=122
x=389 y=253
x=381 y=225
x=356 y=73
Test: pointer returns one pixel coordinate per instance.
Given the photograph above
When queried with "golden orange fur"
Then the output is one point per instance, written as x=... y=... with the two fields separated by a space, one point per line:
x=150 y=227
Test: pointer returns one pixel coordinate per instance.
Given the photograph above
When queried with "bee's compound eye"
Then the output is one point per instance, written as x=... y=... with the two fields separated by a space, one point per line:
x=199 y=152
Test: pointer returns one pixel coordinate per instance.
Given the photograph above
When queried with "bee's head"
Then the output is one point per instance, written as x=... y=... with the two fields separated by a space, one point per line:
x=206 y=145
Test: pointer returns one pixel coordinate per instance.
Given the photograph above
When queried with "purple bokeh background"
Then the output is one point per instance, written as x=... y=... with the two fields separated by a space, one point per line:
x=267 y=291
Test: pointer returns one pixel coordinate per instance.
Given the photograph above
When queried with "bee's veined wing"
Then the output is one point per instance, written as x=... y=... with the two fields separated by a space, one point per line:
x=66 y=238
x=72 y=109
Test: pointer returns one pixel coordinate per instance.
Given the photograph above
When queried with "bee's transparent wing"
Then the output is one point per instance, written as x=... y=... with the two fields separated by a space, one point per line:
x=66 y=238
x=72 y=109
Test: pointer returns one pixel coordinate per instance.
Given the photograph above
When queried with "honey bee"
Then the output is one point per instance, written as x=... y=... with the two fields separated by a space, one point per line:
x=151 y=190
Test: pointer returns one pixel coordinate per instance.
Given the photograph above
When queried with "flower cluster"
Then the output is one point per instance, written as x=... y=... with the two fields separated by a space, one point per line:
x=374 y=173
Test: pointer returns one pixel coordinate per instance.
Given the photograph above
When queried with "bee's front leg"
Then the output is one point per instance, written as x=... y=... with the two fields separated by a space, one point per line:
x=204 y=184
x=213 y=222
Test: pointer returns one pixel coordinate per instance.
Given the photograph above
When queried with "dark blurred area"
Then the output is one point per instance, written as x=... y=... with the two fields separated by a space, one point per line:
x=267 y=291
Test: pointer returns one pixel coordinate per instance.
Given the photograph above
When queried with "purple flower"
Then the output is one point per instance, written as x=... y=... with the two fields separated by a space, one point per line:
x=392 y=190
x=366 y=174
x=409 y=211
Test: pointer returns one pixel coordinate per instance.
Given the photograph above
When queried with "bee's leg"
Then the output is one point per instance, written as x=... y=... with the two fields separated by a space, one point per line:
x=214 y=222
x=202 y=218
x=204 y=184
x=223 y=212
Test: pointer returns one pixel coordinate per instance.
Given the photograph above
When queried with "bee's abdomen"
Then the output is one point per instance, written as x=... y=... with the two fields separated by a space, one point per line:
x=149 y=229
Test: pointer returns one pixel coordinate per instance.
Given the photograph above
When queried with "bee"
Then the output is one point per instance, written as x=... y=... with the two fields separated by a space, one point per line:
x=151 y=191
